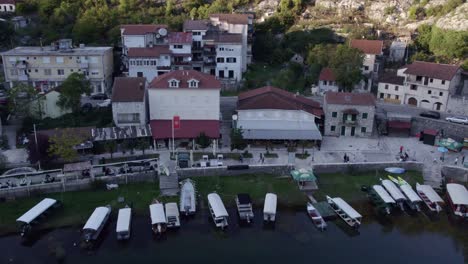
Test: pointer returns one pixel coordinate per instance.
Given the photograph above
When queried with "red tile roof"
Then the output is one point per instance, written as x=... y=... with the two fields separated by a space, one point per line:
x=196 y=24
x=269 y=97
x=233 y=18
x=4 y=2
x=399 y=124
x=432 y=70
x=350 y=98
x=141 y=29
x=180 y=37
x=155 y=51
x=391 y=77
x=368 y=46
x=162 y=129
x=206 y=81
x=128 y=89
x=327 y=75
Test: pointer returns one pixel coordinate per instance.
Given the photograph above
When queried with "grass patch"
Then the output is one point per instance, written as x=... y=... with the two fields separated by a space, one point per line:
x=270 y=155
x=302 y=156
x=130 y=158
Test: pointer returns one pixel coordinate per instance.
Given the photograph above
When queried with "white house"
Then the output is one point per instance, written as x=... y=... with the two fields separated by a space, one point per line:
x=45 y=105
x=391 y=88
x=180 y=44
x=371 y=49
x=129 y=106
x=149 y=62
x=192 y=96
x=7 y=6
x=228 y=55
x=327 y=81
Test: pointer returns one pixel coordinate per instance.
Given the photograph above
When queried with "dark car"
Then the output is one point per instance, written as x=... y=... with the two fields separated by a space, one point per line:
x=100 y=96
x=430 y=114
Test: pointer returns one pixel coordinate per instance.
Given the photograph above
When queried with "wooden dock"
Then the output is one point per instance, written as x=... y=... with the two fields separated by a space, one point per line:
x=169 y=185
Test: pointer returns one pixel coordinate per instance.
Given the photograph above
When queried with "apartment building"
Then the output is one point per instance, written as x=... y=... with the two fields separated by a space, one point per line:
x=47 y=67
x=391 y=88
x=129 y=101
x=149 y=62
x=180 y=44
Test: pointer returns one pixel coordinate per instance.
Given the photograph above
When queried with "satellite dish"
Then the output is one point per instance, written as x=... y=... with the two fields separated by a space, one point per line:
x=158 y=35
x=234 y=117
x=162 y=31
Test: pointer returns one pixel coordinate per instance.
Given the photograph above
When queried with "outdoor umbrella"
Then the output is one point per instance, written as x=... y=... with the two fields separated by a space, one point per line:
x=442 y=150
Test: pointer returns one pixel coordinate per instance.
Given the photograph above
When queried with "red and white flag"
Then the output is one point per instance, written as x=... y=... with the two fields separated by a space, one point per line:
x=176 y=122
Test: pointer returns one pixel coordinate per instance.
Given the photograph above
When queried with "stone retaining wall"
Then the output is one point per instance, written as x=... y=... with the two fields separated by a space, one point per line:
x=452 y=130
x=223 y=171
x=367 y=166
x=454 y=173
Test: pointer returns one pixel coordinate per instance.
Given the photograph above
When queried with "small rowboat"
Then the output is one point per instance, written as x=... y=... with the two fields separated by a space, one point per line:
x=317 y=219
x=395 y=170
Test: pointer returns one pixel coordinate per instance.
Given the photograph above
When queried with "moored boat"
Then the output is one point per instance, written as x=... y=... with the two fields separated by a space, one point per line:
x=96 y=223
x=317 y=219
x=395 y=192
x=269 y=208
x=217 y=210
x=244 y=207
x=458 y=199
x=345 y=211
x=158 y=218
x=430 y=197
x=124 y=221
x=187 y=201
x=31 y=217
x=172 y=215
x=395 y=170
x=381 y=198
x=413 y=200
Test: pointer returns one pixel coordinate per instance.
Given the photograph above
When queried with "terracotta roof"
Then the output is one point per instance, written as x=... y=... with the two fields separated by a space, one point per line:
x=432 y=70
x=206 y=81
x=327 y=75
x=233 y=18
x=196 y=24
x=162 y=129
x=399 y=124
x=391 y=77
x=141 y=29
x=4 y=2
x=155 y=51
x=269 y=97
x=350 y=98
x=127 y=89
x=368 y=46
x=180 y=37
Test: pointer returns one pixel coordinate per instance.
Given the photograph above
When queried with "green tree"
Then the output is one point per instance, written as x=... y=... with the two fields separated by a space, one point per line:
x=143 y=144
x=20 y=98
x=169 y=7
x=203 y=140
x=110 y=146
x=321 y=54
x=71 y=90
x=7 y=33
x=424 y=37
x=237 y=139
x=346 y=65
x=3 y=161
x=62 y=145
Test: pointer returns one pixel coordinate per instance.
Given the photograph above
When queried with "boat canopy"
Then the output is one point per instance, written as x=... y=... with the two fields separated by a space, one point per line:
x=383 y=194
x=217 y=205
x=393 y=190
x=171 y=209
x=244 y=198
x=410 y=193
x=346 y=208
x=96 y=219
x=37 y=210
x=458 y=193
x=157 y=214
x=270 y=203
x=123 y=220
x=429 y=192
x=303 y=175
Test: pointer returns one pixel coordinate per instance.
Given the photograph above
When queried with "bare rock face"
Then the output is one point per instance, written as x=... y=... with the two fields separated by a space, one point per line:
x=267 y=8
x=455 y=20
x=341 y=4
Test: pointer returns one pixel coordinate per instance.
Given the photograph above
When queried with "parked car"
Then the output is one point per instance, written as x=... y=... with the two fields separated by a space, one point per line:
x=430 y=114
x=458 y=119
x=99 y=96
x=105 y=103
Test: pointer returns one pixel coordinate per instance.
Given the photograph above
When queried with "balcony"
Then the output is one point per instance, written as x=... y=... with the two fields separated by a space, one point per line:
x=84 y=65
x=23 y=77
x=350 y=122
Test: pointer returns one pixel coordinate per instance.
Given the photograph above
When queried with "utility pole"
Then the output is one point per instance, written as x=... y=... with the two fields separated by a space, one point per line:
x=37 y=147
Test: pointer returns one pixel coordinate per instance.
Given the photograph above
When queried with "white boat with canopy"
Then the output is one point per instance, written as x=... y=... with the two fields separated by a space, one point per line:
x=458 y=198
x=384 y=197
x=345 y=211
x=96 y=223
x=269 y=208
x=187 y=201
x=413 y=199
x=158 y=218
x=124 y=221
x=217 y=210
x=394 y=191
x=32 y=216
x=430 y=197
x=172 y=215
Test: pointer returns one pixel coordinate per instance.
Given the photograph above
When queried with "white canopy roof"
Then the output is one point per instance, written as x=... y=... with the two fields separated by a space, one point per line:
x=410 y=193
x=157 y=213
x=36 y=211
x=346 y=208
x=429 y=192
x=123 y=220
x=172 y=209
x=270 y=203
x=458 y=193
x=96 y=219
x=217 y=205
x=393 y=190
x=383 y=194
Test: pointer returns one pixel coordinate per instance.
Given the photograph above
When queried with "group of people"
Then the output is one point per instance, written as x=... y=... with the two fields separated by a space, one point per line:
x=346 y=158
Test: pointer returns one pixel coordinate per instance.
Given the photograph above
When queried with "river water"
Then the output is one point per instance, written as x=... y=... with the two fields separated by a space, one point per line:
x=294 y=239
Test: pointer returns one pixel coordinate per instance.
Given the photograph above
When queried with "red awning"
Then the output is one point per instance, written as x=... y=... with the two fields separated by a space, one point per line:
x=162 y=129
x=399 y=124
x=430 y=132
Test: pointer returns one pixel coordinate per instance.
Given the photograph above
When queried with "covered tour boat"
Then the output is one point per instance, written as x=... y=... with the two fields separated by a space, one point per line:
x=187 y=201
x=345 y=211
x=395 y=192
x=96 y=223
x=413 y=200
x=158 y=217
x=124 y=222
x=430 y=197
x=317 y=219
x=244 y=207
x=172 y=215
x=217 y=210
x=458 y=199
x=33 y=215
x=381 y=198
x=269 y=208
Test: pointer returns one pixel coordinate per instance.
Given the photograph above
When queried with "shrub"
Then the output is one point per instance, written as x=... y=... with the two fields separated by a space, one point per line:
x=390 y=10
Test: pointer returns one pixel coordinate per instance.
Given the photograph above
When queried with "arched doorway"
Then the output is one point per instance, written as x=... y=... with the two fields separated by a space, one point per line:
x=425 y=104
x=438 y=106
x=412 y=101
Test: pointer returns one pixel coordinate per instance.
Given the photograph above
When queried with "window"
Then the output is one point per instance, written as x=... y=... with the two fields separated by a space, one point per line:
x=45 y=59
x=364 y=115
x=381 y=95
x=220 y=60
x=332 y=128
x=386 y=87
x=414 y=87
x=366 y=68
x=95 y=72
x=441 y=93
x=139 y=74
x=396 y=87
x=388 y=95
x=397 y=97
x=128 y=118
x=29 y=70
x=59 y=60
x=221 y=74
x=196 y=33
x=334 y=114
x=193 y=84
x=221 y=48
x=36 y=70
x=363 y=129
x=324 y=82
x=429 y=92
x=47 y=72
x=443 y=81
x=177 y=46
x=60 y=72
x=418 y=78
x=173 y=83
x=431 y=80
x=231 y=60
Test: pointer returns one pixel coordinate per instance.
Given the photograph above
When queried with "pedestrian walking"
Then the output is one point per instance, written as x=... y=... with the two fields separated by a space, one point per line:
x=261 y=157
x=401 y=149
x=456 y=161
x=463 y=160
x=241 y=159
x=344 y=158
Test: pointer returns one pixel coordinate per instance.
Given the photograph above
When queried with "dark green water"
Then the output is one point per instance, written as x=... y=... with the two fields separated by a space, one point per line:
x=398 y=239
